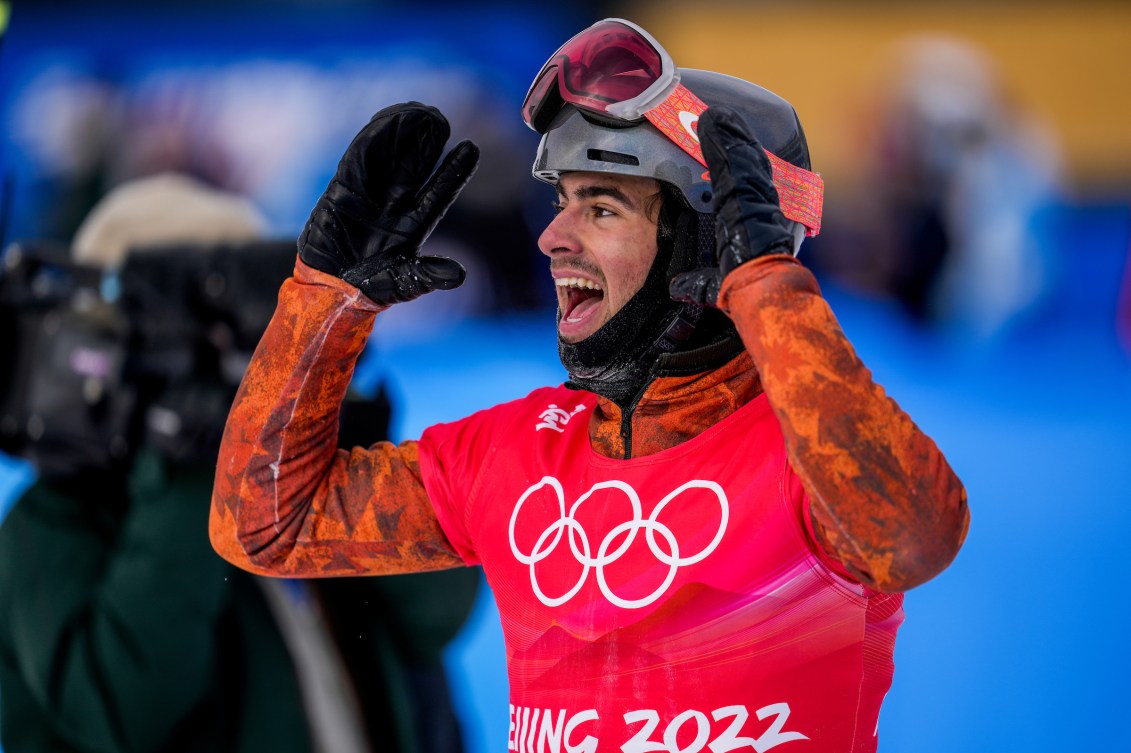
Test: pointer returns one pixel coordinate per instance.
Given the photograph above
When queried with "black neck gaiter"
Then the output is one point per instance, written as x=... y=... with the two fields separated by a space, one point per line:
x=620 y=359
x=613 y=362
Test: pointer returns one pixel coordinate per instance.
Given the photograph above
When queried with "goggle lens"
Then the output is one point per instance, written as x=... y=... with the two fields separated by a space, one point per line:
x=611 y=65
x=602 y=65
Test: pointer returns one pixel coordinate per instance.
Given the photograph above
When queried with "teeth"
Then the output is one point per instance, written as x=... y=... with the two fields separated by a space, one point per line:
x=576 y=282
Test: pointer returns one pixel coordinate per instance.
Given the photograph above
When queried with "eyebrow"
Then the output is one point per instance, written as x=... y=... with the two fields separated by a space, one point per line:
x=596 y=190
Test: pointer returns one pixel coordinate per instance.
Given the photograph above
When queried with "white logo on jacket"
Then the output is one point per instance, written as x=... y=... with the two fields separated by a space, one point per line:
x=555 y=418
x=582 y=551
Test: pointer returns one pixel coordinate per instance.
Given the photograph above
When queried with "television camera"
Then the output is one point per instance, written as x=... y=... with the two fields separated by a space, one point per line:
x=101 y=361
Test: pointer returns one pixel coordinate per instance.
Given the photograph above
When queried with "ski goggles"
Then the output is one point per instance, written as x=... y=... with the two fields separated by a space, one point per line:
x=616 y=69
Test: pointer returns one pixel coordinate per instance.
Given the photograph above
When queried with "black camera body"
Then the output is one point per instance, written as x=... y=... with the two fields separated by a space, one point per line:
x=101 y=362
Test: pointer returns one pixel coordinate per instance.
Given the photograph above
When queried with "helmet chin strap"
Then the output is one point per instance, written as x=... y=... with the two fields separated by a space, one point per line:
x=620 y=359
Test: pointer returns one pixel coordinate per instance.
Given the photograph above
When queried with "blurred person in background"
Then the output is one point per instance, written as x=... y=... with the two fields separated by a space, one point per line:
x=959 y=186
x=120 y=628
x=702 y=538
x=227 y=126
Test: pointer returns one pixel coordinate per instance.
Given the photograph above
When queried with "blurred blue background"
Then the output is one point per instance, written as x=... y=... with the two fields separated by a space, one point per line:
x=1016 y=359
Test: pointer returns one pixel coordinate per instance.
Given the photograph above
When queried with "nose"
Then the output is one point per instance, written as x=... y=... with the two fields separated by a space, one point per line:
x=559 y=236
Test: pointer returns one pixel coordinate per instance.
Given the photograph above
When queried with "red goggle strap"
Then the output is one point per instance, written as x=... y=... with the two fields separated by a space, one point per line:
x=801 y=192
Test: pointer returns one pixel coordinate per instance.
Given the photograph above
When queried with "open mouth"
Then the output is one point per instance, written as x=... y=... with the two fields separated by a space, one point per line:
x=578 y=298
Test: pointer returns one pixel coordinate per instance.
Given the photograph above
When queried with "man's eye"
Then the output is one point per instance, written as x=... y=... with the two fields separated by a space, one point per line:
x=603 y=212
x=557 y=206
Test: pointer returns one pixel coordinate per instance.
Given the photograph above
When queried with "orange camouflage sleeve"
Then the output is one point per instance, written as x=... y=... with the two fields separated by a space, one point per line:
x=885 y=503
x=286 y=501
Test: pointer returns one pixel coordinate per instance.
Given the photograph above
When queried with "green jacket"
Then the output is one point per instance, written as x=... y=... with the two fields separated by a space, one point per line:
x=122 y=630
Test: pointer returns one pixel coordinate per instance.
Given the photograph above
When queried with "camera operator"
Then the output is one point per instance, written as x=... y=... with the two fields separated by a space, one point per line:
x=120 y=628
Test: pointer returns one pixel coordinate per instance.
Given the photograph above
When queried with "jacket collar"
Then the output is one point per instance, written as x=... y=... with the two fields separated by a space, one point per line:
x=674 y=409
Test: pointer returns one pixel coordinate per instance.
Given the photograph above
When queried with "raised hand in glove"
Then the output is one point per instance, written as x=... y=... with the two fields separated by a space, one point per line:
x=748 y=219
x=385 y=199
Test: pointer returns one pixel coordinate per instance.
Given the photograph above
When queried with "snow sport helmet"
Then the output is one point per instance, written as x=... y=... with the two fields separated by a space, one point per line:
x=612 y=100
x=634 y=113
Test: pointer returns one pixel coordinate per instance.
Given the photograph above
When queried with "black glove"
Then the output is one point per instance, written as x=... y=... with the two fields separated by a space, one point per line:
x=748 y=219
x=381 y=205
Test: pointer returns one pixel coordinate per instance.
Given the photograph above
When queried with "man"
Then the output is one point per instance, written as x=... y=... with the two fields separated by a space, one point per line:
x=120 y=628
x=702 y=538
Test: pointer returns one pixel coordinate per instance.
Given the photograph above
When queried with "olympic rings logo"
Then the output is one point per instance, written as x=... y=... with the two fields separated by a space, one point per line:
x=579 y=544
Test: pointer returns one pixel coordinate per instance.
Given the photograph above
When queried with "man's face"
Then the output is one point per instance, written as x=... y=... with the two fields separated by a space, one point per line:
x=601 y=246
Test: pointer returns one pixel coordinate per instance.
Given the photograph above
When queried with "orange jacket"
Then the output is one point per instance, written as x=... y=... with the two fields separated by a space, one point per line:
x=886 y=509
